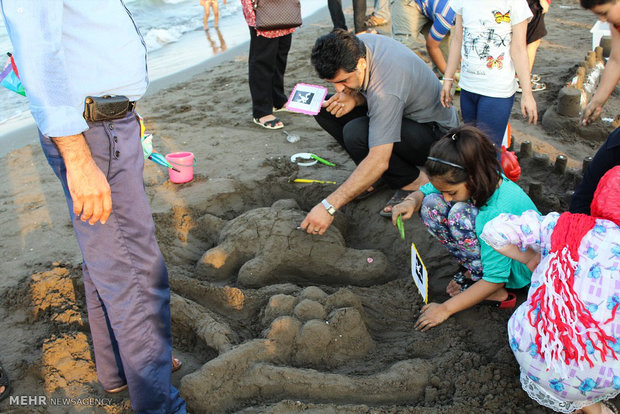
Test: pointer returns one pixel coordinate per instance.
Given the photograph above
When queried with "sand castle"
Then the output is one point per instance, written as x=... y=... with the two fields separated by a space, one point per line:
x=574 y=97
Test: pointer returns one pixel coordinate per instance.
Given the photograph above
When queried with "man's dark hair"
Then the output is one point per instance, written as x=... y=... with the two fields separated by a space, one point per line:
x=474 y=152
x=336 y=50
x=588 y=4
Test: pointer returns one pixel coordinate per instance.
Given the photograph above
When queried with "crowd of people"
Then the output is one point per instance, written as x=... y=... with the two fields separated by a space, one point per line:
x=84 y=71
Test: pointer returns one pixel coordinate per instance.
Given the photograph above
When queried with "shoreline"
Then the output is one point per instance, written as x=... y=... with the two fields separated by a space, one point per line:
x=22 y=131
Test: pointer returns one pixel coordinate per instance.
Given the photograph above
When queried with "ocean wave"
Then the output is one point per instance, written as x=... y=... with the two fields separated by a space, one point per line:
x=156 y=38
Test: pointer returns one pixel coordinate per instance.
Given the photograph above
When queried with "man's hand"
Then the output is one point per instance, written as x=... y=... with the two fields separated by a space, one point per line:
x=432 y=315
x=317 y=221
x=340 y=104
x=88 y=186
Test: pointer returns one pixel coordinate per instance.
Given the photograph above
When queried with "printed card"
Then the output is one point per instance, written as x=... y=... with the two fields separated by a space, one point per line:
x=306 y=99
x=419 y=273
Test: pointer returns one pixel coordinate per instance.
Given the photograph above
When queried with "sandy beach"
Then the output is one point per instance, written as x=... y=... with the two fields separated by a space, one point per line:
x=267 y=319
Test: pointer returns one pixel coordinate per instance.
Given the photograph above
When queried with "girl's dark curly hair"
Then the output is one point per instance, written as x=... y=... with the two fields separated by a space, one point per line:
x=469 y=148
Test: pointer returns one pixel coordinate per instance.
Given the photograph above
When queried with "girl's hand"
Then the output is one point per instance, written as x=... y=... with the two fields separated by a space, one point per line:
x=446 y=93
x=591 y=112
x=432 y=315
x=406 y=209
x=528 y=108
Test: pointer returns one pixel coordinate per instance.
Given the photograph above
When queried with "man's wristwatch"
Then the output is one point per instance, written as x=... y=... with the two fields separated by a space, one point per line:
x=330 y=209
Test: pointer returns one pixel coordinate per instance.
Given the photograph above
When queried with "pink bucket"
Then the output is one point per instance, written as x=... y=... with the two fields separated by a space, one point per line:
x=184 y=162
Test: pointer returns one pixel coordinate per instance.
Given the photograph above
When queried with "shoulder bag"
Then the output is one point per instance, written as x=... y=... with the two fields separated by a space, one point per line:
x=277 y=14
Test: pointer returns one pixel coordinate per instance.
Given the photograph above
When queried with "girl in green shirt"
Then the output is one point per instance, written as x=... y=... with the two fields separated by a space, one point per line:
x=466 y=190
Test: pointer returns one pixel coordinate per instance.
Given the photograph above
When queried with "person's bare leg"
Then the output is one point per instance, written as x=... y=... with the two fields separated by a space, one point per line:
x=216 y=13
x=597 y=408
x=417 y=183
x=532 y=48
x=207 y=13
x=499 y=295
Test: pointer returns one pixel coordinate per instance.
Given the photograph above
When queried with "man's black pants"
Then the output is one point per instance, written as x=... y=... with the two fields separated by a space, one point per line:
x=351 y=132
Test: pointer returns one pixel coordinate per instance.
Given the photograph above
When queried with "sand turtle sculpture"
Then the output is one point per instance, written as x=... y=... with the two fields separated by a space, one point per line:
x=265 y=246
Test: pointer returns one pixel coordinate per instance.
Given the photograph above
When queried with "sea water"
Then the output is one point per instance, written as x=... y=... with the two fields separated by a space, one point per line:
x=174 y=36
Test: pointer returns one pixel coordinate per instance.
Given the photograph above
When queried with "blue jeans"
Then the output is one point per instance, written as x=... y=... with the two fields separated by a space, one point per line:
x=454 y=225
x=491 y=115
x=125 y=277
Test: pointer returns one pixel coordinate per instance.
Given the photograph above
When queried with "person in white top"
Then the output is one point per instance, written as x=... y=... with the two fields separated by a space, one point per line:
x=489 y=35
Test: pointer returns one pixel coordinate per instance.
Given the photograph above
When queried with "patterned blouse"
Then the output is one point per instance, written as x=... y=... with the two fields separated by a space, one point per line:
x=596 y=282
x=250 y=18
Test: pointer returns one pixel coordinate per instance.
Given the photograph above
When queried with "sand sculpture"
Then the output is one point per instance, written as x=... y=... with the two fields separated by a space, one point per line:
x=574 y=97
x=303 y=333
x=264 y=246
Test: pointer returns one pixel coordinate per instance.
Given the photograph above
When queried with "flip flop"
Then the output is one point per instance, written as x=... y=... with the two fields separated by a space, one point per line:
x=273 y=124
x=611 y=406
x=397 y=198
x=283 y=109
x=375 y=21
x=463 y=281
x=377 y=186
x=508 y=303
x=4 y=382
x=176 y=364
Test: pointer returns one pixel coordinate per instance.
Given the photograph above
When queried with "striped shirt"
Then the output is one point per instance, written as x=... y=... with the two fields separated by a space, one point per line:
x=440 y=13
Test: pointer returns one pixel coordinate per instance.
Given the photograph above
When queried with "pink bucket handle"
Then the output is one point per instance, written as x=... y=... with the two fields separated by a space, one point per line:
x=182 y=165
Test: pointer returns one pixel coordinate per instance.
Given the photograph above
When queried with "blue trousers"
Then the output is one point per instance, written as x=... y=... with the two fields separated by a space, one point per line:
x=125 y=277
x=491 y=115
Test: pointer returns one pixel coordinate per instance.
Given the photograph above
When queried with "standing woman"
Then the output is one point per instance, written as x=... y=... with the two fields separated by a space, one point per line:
x=267 y=63
x=490 y=37
x=607 y=11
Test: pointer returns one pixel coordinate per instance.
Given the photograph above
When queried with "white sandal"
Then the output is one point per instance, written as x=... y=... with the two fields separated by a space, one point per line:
x=271 y=124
